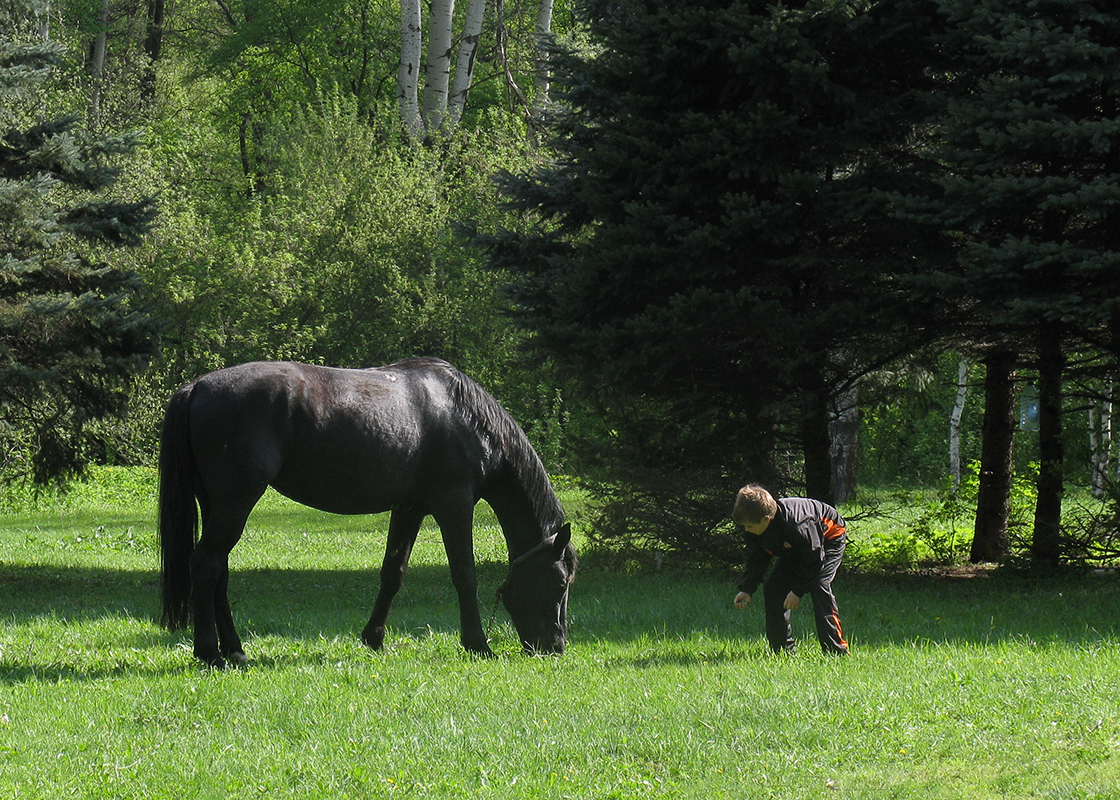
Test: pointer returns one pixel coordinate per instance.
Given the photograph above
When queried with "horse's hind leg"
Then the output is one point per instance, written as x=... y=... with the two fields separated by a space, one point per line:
x=229 y=643
x=215 y=637
x=404 y=525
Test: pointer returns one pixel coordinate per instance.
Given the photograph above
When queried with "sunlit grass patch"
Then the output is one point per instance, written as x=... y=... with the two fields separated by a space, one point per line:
x=998 y=685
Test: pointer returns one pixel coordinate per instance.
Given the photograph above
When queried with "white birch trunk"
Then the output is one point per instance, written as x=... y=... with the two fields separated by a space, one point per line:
x=1100 y=445
x=43 y=15
x=1094 y=452
x=1106 y=437
x=464 y=64
x=408 y=72
x=542 y=77
x=437 y=66
x=955 y=423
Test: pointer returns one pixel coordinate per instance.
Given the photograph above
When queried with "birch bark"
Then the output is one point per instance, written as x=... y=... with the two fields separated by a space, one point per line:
x=464 y=64
x=542 y=77
x=408 y=72
x=437 y=66
x=955 y=423
x=1100 y=443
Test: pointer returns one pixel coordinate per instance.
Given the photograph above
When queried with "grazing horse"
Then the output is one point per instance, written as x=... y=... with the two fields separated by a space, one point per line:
x=414 y=438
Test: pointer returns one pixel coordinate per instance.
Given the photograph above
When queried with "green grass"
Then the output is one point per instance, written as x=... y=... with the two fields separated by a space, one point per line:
x=998 y=686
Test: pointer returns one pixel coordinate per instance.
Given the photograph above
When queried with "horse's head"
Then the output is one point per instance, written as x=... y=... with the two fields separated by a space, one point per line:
x=535 y=593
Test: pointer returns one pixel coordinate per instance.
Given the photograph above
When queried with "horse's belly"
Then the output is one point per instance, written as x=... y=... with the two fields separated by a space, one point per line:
x=337 y=492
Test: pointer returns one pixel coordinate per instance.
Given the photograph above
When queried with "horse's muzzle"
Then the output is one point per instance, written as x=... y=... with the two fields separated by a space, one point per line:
x=546 y=646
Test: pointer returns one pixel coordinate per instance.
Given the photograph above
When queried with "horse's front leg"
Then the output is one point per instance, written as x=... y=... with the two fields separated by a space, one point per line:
x=404 y=525
x=457 y=531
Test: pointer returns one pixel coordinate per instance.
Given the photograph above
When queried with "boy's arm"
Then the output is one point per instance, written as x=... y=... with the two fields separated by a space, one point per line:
x=757 y=561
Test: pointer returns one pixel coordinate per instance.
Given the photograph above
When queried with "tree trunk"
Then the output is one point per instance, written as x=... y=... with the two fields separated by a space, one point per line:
x=542 y=76
x=815 y=442
x=844 y=436
x=1046 y=545
x=464 y=64
x=97 y=66
x=955 y=423
x=501 y=48
x=437 y=66
x=993 y=498
x=153 y=43
x=1100 y=443
x=43 y=15
x=408 y=72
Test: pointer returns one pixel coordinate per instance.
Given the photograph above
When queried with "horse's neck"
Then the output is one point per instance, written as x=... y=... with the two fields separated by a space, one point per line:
x=525 y=519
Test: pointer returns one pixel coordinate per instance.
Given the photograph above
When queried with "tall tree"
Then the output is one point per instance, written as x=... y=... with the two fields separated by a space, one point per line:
x=711 y=242
x=437 y=64
x=409 y=69
x=466 y=60
x=70 y=332
x=1032 y=191
x=152 y=47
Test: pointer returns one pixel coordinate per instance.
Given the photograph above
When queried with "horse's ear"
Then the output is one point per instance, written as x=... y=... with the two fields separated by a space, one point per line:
x=563 y=538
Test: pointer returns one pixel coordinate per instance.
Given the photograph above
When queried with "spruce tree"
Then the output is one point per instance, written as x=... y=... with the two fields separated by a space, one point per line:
x=713 y=254
x=1031 y=192
x=71 y=331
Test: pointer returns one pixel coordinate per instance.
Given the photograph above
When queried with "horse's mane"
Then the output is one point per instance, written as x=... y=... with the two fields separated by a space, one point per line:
x=504 y=439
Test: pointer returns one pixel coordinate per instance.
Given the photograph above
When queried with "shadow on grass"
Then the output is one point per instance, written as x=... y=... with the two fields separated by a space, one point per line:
x=663 y=616
x=296 y=604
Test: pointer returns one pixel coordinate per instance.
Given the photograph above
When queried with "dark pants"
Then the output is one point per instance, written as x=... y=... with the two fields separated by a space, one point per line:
x=780 y=583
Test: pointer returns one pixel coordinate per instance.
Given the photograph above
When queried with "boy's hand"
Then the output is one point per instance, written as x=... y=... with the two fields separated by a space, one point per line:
x=742 y=600
x=792 y=601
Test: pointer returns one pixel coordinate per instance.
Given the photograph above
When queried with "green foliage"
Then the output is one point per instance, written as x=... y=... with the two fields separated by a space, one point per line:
x=702 y=254
x=945 y=524
x=1030 y=187
x=308 y=271
x=905 y=528
x=72 y=332
x=350 y=257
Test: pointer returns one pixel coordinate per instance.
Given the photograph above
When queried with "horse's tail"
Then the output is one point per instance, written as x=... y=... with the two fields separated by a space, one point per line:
x=178 y=512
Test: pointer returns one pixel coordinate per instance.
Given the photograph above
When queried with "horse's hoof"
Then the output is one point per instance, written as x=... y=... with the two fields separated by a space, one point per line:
x=373 y=638
x=238 y=659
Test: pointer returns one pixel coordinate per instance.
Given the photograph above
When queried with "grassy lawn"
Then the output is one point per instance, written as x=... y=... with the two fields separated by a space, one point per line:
x=1000 y=685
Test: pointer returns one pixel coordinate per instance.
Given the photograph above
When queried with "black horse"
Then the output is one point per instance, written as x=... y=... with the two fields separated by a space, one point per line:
x=416 y=438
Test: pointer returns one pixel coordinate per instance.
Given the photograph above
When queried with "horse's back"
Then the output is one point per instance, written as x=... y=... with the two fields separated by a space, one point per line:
x=348 y=441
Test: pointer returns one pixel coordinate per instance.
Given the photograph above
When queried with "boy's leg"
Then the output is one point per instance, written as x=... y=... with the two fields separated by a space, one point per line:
x=774 y=591
x=827 y=614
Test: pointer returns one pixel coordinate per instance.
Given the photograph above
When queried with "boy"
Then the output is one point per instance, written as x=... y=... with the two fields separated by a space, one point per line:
x=808 y=537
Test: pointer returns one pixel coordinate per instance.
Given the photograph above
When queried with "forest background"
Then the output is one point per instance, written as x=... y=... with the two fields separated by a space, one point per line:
x=826 y=245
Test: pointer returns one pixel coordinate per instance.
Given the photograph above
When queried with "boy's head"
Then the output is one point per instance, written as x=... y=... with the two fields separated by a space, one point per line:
x=754 y=508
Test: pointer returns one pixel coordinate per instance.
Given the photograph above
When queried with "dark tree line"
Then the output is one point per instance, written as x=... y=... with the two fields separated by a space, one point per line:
x=756 y=215
x=72 y=331
x=756 y=205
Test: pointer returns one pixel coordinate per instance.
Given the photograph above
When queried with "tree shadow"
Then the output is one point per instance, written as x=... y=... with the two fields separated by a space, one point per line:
x=985 y=607
x=682 y=617
x=296 y=604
